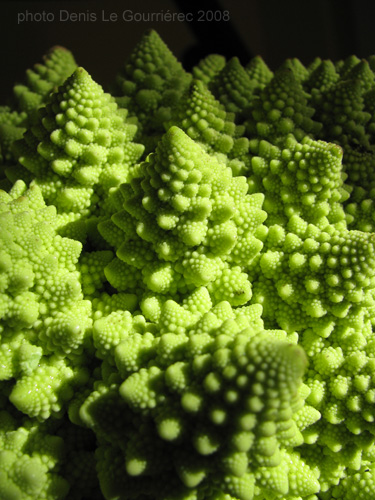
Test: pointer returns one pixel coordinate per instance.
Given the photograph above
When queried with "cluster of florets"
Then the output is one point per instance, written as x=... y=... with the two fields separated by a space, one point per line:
x=187 y=277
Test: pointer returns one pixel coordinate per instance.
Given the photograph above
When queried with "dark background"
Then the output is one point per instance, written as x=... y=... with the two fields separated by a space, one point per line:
x=274 y=29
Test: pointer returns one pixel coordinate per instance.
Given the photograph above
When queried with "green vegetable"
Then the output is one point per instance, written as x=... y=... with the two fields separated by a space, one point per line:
x=187 y=281
x=44 y=78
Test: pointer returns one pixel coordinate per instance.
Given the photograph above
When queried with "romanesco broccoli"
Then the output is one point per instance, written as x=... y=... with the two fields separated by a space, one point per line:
x=187 y=281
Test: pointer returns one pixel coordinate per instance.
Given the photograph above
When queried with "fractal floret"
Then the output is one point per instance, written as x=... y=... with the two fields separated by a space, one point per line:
x=150 y=85
x=186 y=222
x=79 y=149
x=187 y=280
x=59 y=63
x=219 y=405
x=45 y=321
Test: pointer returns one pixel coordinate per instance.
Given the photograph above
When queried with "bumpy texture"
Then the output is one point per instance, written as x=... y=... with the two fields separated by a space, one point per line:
x=208 y=67
x=30 y=461
x=345 y=107
x=48 y=460
x=79 y=149
x=205 y=121
x=44 y=319
x=186 y=222
x=12 y=128
x=259 y=72
x=150 y=85
x=301 y=179
x=281 y=108
x=214 y=338
x=219 y=405
x=58 y=64
x=234 y=88
x=315 y=275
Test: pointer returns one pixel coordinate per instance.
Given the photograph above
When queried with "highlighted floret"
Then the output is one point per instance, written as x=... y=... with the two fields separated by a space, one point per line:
x=187 y=223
